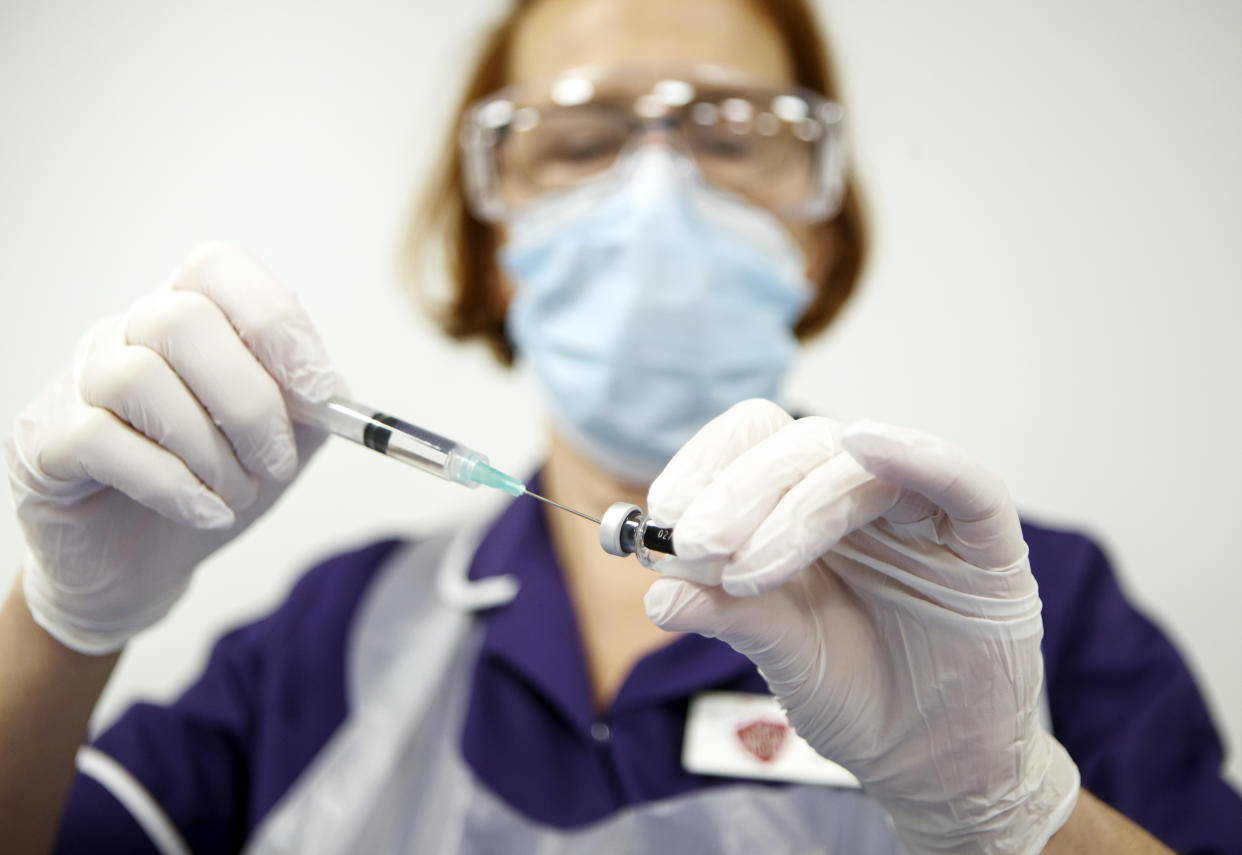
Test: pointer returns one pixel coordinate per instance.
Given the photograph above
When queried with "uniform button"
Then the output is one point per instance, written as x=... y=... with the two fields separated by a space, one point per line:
x=601 y=732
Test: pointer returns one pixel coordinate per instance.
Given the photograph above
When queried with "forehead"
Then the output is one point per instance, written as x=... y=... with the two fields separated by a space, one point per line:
x=555 y=35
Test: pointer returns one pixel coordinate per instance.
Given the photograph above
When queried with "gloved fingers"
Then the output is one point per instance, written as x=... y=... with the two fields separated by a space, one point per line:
x=975 y=500
x=777 y=630
x=709 y=451
x=677 y=605
x=195 y=338
x=138 y=386
x=92 y=444
x=831 y=501
x=750 y=626
x=726 y=511
x=266 y=315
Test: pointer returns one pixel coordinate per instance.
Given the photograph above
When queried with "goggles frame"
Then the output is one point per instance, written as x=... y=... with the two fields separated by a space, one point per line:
x=488 y=122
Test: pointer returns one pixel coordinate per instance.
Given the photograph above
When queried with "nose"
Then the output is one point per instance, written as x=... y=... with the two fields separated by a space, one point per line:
x=662 y=148
x=661 y=161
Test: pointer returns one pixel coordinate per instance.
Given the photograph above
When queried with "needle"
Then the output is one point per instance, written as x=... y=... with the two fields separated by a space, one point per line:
x=562 y=507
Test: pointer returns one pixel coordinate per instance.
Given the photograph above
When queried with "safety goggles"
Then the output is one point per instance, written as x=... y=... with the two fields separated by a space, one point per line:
x=781 y=148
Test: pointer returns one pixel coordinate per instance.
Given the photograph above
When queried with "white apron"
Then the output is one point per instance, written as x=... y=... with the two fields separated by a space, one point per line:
x=392 y=780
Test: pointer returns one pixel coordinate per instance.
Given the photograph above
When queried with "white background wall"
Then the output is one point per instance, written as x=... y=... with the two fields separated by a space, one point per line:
x=1056 y=197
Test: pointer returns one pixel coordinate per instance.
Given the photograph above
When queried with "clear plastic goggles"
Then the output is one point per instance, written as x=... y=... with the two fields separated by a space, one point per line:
x=781 y=148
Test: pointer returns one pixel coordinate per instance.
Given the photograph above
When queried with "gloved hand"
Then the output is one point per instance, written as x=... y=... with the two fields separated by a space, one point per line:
x=166 y=439
x=879 y=580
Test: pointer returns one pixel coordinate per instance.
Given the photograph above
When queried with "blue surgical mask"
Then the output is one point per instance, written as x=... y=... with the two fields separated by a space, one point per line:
x=648 y=306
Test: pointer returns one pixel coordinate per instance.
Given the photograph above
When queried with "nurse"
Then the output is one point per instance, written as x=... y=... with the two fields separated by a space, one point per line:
x=643 y=189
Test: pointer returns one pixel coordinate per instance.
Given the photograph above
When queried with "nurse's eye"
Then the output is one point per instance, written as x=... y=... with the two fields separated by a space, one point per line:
x=584 y=149
x=567 y=147
x=725 y=147
x=722 y=141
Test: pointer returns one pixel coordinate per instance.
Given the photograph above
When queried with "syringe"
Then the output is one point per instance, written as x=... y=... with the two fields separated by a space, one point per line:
x=409 y=443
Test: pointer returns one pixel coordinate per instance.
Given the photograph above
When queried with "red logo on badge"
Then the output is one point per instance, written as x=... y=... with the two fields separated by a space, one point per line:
x=763 y=737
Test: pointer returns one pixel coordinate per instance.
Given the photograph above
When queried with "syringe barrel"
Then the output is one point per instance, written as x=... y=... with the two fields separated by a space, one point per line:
x=392 y=437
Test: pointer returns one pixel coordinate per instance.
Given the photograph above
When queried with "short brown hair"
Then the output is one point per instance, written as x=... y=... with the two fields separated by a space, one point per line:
x=443 y=222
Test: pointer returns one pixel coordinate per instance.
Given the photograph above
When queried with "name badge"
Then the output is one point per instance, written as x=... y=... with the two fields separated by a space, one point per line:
x=741 y=735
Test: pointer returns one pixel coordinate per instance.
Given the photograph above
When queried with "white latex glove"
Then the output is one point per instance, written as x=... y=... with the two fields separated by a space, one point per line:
x=879 y=580
x=166 y=439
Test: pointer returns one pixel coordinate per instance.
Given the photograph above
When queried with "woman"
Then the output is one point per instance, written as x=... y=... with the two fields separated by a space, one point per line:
x=877 y=577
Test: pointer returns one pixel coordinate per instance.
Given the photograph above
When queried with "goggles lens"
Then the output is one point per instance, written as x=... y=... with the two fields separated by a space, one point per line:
x=779 y=148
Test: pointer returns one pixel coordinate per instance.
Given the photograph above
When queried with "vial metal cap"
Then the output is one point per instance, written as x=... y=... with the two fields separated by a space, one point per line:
x=614 y=535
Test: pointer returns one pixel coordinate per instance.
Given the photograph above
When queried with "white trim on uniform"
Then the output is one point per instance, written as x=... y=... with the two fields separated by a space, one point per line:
x=133 y=796
x=453 y=584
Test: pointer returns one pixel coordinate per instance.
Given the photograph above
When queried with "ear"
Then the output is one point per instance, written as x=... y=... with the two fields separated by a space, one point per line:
x=500 y=291
x=500 y=288
x=822 y=252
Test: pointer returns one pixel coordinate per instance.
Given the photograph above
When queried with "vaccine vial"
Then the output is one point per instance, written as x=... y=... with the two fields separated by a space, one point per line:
x=625 y=530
